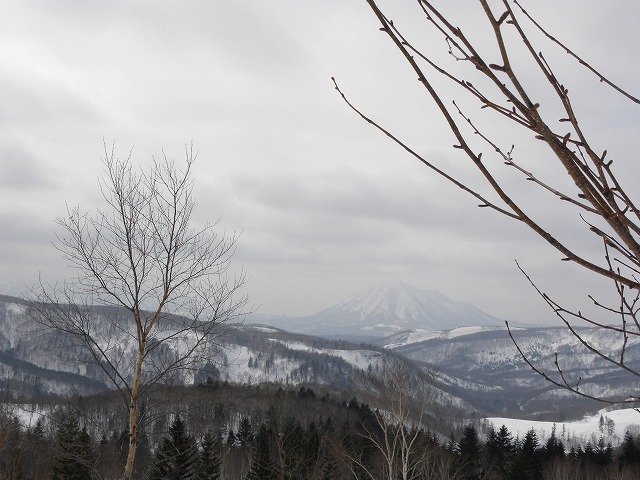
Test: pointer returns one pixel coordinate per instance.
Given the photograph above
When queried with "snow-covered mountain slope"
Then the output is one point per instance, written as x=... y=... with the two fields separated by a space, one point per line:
x=410 y=337
x=473 y=368
x=33 y=360
x=387 y=309
x=490 y=362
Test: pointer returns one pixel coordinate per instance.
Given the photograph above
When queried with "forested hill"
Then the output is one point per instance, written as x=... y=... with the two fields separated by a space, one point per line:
x=34 y=361
x=472 y=369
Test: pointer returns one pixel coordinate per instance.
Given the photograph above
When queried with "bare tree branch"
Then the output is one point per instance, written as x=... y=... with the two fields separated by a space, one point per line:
x=492 y=78
x=143 y=254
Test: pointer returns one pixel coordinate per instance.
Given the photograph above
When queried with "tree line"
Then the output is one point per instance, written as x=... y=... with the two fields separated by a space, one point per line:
x=297 y=434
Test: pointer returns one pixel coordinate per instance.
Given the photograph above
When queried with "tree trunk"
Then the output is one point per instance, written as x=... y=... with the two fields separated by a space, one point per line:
x=133 y=414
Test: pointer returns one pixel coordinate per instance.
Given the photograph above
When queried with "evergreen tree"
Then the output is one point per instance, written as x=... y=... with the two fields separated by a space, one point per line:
x=208 y=467
x=145 y=458
x=328 y=463
x=469 y=451
x=177 y=455
x=601 y=424
x=74 y=456
x=629 y=453
x=312 y=446
x=37 y=433
x=527 y=463
x=262 y=467
x=11 y=449
x=245 y=433
x=232 y=441
x=452 y=446
x=588 y=451
x=603 y=453
x=499 y=452
x=329 y=468
x=552 y=451
x=553 y=447
x=36 y=454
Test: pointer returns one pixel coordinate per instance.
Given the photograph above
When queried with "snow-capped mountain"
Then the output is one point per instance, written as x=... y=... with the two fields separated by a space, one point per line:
x=386 y=309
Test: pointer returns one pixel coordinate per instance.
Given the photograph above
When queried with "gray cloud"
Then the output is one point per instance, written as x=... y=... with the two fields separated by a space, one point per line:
x=21 y=170
x=326 y=204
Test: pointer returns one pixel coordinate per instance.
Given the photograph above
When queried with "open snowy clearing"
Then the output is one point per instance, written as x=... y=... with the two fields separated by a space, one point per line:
x=612 y=428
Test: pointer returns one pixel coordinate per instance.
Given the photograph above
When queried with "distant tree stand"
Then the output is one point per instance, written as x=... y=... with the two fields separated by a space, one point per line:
x=143 y=254
x=595 y=194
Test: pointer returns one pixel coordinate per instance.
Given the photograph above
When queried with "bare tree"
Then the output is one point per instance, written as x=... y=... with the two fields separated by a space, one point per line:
x=143 y=254
x=495 y=70
x=401 y=396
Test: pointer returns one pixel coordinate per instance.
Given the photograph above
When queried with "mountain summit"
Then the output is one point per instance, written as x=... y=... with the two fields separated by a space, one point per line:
x=386 y=309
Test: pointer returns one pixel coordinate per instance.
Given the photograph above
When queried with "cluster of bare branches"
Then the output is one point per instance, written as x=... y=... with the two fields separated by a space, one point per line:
x=401 y=397
x=143 y=254
x=596 y=194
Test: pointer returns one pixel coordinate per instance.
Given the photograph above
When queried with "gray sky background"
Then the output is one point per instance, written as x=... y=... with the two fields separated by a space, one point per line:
x=326 y=204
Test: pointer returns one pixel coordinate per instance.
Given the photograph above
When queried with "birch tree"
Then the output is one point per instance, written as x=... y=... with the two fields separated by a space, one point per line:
x=401 y=397
x=145 y=253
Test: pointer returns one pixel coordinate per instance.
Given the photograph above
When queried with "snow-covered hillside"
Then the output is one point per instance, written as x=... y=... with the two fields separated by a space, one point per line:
x=474 y=367
x=486 y=359
x=33 y=360
x=611 y=425
x=417 y=336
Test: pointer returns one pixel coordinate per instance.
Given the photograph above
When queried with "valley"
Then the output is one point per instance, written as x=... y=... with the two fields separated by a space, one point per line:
x=469 y=375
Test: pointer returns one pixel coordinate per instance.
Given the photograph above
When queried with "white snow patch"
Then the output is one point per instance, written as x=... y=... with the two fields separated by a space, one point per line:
x=421 y=335
x=16 y=309
x=263 y=329
x=459 y=332
x=576 y=432
x=358 y=358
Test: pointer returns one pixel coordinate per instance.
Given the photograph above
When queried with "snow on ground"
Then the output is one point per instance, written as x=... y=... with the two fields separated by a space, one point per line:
x=262 y=328
x=459 y=332
x=238 y=358
x=15 y=309
x=420 y=335
x=412 y=337
x=358 y=358
x=296 y=346
x=237 y=369
x=589 y=429
x=27 y=415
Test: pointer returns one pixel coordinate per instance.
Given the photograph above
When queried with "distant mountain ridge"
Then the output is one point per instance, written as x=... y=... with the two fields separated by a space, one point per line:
x=387 y=309
x=474 y=368
x=485 y=360
x=34 y=360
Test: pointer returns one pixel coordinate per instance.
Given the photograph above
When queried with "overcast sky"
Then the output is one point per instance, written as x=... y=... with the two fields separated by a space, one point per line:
x=326 y=204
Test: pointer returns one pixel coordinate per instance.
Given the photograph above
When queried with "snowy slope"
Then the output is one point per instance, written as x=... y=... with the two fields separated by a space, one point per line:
x=411 y=337
x=35 y=361
x=612 y=428
x=478 y=367
x=486 y=359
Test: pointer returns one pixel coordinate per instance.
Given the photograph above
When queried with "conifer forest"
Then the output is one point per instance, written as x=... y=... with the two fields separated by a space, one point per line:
x=221 y=431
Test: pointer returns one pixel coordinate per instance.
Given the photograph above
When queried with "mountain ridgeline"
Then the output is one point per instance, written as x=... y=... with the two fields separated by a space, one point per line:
x=467 y=356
